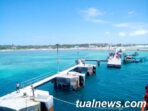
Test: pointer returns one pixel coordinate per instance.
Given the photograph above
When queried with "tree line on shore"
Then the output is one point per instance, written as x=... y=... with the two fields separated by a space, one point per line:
x=95 y=45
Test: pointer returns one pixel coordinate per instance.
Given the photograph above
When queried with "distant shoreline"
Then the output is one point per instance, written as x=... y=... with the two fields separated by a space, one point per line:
x=64 y=49
x=92 y=46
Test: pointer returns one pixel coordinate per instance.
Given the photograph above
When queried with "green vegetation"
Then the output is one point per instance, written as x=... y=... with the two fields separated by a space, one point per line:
x=5 y=47
x=93 y=45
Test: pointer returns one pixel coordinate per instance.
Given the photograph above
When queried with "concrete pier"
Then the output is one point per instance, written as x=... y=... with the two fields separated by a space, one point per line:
x=31 y=99
x=26 y=101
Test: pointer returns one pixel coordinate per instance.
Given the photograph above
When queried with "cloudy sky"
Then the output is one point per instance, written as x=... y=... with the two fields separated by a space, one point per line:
x=39 y=22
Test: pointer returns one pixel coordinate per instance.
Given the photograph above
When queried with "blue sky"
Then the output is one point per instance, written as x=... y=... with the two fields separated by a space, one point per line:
x=39 y=22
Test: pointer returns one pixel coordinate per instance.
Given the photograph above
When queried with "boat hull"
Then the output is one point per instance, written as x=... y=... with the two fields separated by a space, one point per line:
x=113 y=66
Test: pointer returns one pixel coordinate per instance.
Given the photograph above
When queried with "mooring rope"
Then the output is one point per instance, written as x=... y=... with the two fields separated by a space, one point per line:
x=71 y=103
x=67 y=102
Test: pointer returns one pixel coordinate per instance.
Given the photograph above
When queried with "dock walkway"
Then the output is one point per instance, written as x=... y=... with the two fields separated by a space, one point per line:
x=17 y=101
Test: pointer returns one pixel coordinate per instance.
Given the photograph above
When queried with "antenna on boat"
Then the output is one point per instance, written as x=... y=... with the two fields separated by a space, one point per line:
x=57 y=46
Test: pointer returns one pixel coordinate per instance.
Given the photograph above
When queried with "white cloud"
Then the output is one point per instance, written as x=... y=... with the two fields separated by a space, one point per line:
x=93 y=15
x=97 y=20
x=131 y=25
x=107 y=33
x=139 y=32
x=92 y=12
x=122 y=25
x=132 y=12
x=133 y=33
x=122 y=34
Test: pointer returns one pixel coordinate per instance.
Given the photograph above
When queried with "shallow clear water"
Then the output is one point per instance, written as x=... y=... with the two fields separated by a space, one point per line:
x=123 y=84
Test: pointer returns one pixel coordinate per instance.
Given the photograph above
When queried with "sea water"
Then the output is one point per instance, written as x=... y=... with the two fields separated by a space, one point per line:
x=108 y=84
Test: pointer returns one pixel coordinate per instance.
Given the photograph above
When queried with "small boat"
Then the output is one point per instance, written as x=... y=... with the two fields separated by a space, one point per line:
x=114 y=60
x=128 y=59
x=133 y=58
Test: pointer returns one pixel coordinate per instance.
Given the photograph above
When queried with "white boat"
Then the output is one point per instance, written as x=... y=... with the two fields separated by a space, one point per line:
x=114 y=60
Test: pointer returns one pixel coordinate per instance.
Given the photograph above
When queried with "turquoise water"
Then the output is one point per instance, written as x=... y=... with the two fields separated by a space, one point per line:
x=123 y=84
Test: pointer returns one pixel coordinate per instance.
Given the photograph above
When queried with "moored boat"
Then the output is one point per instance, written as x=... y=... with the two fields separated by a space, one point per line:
x=114 y=60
